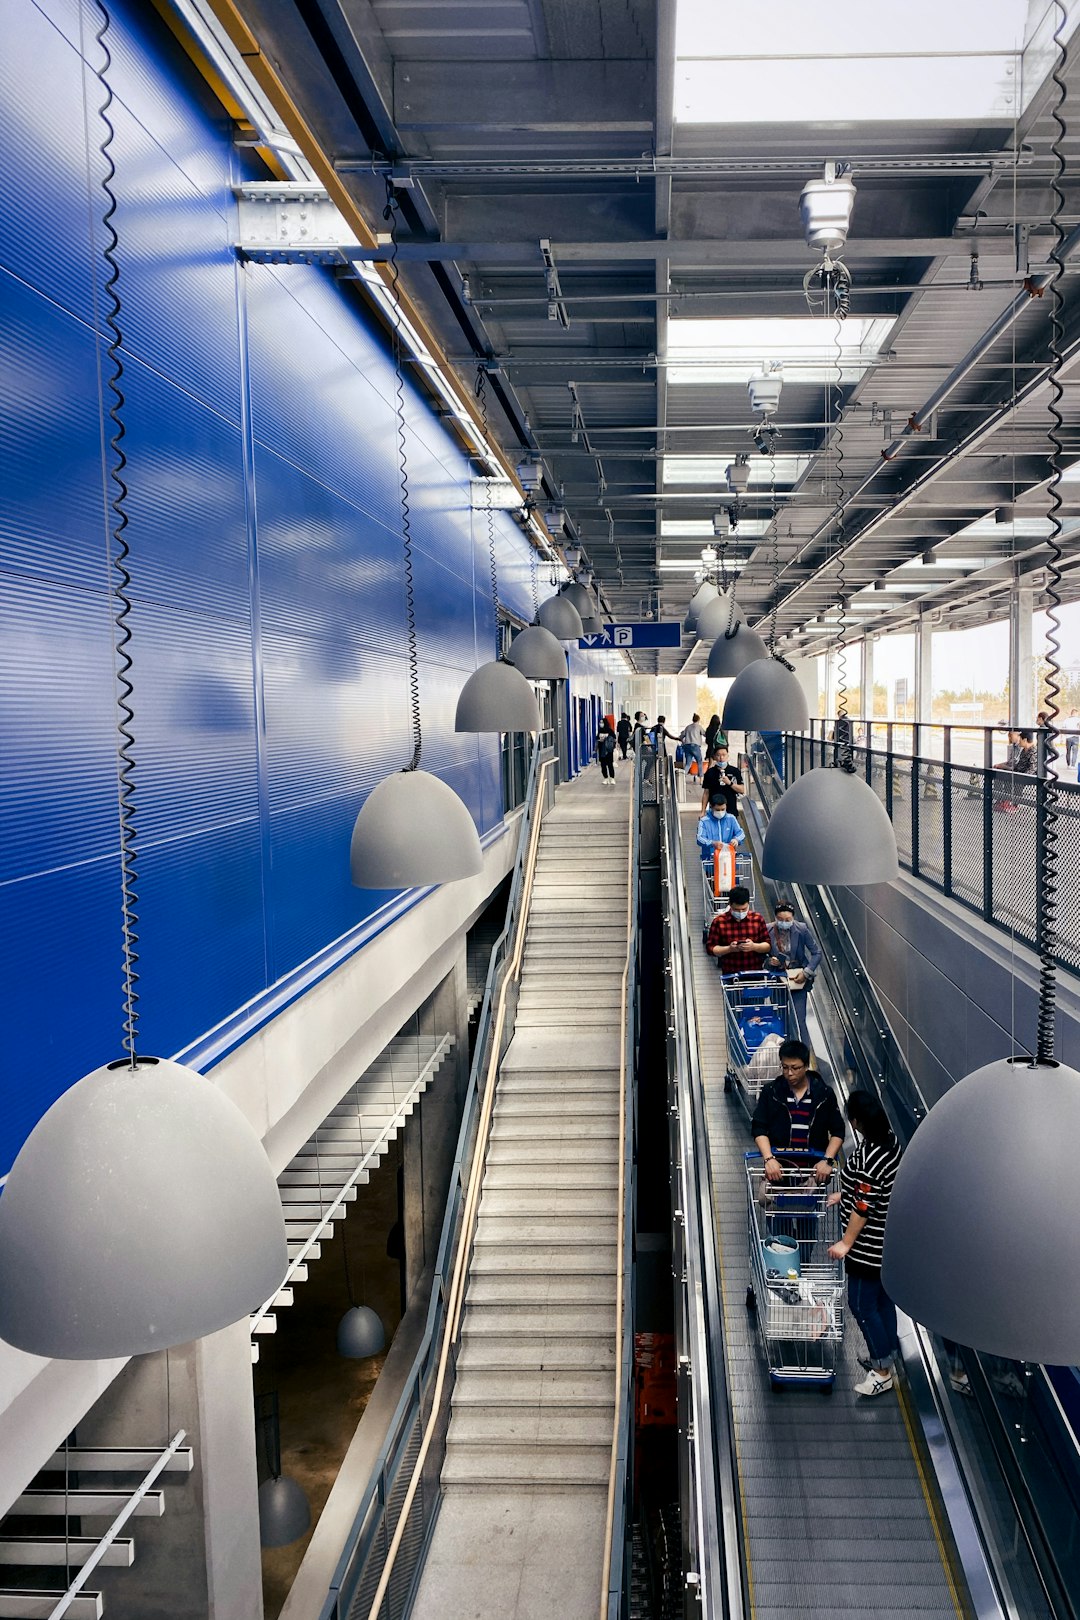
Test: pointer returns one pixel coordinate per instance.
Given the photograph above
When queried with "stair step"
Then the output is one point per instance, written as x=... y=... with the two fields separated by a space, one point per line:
x=594 y=1142
x=534 y=1386
x=560 y=1321
x=517 y=1259
x=557 y=1082
x=509 y=1147
x=500 y=1466
x=515 y=1425
x=532 y=1290
x=520 y=1202
x=500 y=1177
x=508 y=1351
x=550 y=1232
x=574 y=1105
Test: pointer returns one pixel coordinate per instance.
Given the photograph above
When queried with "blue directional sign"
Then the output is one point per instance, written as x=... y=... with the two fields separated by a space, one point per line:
x=666 y=633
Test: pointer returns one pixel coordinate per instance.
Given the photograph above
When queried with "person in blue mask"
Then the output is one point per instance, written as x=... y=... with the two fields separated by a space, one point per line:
x=717 y=826
x=793 y=949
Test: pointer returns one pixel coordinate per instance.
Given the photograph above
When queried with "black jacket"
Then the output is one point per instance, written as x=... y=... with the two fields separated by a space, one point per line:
x=771 y=1117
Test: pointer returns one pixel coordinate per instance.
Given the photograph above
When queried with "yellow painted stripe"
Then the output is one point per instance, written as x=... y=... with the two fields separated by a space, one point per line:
x=930 y=1497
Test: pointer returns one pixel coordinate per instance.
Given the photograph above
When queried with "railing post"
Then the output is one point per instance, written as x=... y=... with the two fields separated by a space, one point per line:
x=946 y=814
x=916 y=795
x=988 y=827
x=1040 y=830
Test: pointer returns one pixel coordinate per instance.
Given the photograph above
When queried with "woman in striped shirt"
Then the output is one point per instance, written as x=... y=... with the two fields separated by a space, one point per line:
x=866 y=1183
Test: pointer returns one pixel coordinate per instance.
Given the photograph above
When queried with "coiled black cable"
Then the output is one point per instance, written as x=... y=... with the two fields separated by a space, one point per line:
x=119 y=552
x=1047 y=922
x=390 y=214
x=489 y=510
x=845 y=753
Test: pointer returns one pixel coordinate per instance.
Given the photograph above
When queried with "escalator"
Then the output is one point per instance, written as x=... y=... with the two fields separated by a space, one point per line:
x=825 y=1504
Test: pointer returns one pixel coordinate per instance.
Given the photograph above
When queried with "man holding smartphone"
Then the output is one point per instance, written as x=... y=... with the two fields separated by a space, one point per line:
x=722 y=777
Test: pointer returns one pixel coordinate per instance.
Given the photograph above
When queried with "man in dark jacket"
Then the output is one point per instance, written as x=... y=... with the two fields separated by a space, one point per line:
x=797 y=1111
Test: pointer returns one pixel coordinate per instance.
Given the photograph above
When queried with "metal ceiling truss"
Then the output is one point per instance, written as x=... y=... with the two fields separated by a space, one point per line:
x=558 y=220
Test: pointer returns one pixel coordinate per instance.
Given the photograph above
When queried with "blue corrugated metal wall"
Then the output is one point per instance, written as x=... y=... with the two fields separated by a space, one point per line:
x=268 y=626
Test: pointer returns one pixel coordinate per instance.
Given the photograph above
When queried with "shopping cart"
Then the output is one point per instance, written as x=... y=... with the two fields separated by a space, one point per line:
x=720 y=875
x=759 y=1015
x=795 y=1290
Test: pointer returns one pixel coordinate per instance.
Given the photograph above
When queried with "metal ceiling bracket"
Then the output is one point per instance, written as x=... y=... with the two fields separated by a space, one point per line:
x=291 y=223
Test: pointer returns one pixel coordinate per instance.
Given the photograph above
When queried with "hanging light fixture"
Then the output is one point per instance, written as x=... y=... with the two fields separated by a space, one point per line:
x=284 y=1511
x=826 y=207
x=730 y=653
x=766 y=695
x=561 y=617
x=962 y=1254
x=496 y=697
x=592 y=626
x=387 y=851
x=738 y=475
x=764 y=389
x=360 y=1333
x=571 y=556
x=112 y=1216
x=829 y=826
x=536 y=653
x=705 y=593
x=580 y=598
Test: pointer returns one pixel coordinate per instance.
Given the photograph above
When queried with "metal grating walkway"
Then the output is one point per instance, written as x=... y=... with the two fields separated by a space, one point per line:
x=836 y=1513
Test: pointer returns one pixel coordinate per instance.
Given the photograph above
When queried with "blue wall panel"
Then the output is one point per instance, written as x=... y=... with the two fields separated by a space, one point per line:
x=268 y=625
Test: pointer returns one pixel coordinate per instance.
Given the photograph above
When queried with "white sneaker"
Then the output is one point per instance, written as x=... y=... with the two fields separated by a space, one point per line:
x=874 y=1384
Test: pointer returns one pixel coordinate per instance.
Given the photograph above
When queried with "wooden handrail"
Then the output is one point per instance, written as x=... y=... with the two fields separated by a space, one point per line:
x=456 y=1296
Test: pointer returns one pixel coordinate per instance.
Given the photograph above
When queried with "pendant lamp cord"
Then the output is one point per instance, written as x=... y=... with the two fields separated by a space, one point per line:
x=845 y=753
x=1047 y=929
x=119 y=551
x=489 y=511
x=390 y=215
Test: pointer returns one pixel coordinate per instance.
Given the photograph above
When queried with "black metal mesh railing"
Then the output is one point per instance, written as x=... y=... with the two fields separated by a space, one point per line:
x=972 y=831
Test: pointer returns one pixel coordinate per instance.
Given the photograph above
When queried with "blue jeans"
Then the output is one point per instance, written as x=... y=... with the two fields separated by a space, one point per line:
x=693 y=751
x=876 y=1315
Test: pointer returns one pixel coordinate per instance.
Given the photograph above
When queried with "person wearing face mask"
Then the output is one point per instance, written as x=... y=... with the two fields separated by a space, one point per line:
x=738 y=937
x=795 y=951
x=717 y=827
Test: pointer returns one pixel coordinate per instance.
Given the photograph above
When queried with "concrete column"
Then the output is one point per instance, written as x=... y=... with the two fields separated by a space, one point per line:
x=686 y=701
x=431 y=1132
x=1021 y=659
x=924 y=671
x=867 y=698
x=201 y=1560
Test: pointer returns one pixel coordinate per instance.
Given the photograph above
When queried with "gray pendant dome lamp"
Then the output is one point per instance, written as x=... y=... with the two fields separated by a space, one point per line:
x=142 y=1211
x=967 y=1251
x=360 y=1334
x=284 y=1511
x=561 y=617
x=580 y=598
x=592 y=627
x=385 y=852
x=717 y=615
x=829 y=826
x=767 y=695
x=732 y=651
x=705 y=593
x=537 y=653
x=496 y=697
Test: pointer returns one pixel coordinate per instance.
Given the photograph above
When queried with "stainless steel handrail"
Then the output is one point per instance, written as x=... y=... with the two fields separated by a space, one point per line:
x=614 y=1571
x=715 y=1509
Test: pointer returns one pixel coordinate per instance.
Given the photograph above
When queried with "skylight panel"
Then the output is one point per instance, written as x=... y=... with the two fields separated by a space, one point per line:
x=712 y=470
x=730 y=350
x=956 y=62
x=702 y=529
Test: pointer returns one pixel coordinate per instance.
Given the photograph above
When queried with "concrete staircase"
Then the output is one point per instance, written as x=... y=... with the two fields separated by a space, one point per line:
x=529 y=1439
